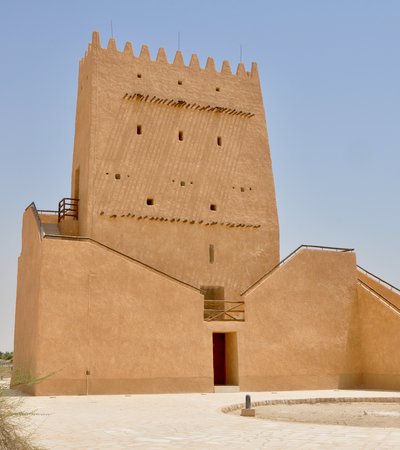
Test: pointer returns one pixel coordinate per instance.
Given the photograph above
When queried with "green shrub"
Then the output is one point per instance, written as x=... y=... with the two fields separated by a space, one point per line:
x=12 y=436
x=6 y=355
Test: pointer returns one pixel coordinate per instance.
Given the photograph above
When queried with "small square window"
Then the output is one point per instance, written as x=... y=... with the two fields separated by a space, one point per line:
x=180 y=82
x=180 y=135
x=242 y=189
x=150 y=201
x=139 y=129
x=183 y=183
x=217 y=89
x=139 y=75
x=117 y=176
x=213 y=207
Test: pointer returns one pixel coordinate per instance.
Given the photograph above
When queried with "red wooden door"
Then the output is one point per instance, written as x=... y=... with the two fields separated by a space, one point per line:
x=219 y=358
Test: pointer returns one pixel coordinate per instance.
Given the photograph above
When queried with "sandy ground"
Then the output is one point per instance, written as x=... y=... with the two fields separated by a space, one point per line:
x=360 y=414
x=5 y=372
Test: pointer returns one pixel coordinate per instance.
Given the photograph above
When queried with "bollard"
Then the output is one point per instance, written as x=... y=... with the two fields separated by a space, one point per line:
x=248 y=411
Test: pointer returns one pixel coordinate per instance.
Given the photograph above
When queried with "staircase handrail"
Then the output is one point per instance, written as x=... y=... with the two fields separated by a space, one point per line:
x=378 y=294
x=380 y=280
x=37 y=218
x=294 y=252
x=44 y=235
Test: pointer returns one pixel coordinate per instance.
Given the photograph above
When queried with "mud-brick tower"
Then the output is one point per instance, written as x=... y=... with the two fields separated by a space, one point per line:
x=161 y=272
x=172 y=166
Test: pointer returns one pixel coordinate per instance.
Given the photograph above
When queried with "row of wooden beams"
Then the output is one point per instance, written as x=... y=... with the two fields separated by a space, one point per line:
x=182 y=220
x=187 y=105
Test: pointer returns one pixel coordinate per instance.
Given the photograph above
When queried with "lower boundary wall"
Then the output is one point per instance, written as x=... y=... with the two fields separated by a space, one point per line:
x=105 y=325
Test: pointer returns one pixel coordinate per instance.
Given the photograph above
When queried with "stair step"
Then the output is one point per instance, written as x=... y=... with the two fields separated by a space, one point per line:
x=51 y=228
x=226 y=389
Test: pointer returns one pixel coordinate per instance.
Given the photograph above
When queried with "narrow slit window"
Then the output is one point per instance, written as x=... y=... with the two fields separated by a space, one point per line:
x=219 y=141
x=213 y=207
x=180 y=135
x=139 y=129
x=76 y=182
x=150 y=201
x=211 y=253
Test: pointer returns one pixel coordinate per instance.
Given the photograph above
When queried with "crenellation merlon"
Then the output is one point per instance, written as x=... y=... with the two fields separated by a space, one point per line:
x=194 y=62
x=162 y=56
x=128 y=49
x=144 y=55
x=112 y=45
x=210 y=65
x=178 y=60
x=226 y=68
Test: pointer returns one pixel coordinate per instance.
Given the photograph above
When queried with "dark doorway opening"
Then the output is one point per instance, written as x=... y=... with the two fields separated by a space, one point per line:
x=225 y=359
x=219 y=358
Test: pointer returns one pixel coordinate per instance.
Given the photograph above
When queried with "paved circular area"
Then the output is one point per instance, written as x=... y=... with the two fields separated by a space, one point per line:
x=191 y=421
x=359 y=414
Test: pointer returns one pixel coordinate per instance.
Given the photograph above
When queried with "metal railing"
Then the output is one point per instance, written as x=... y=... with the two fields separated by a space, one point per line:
x=68 y=207
x=379 y=280
x=380 y=297
x=223 y=310
x=48 y=211
x=44 y=235
x=288 y=257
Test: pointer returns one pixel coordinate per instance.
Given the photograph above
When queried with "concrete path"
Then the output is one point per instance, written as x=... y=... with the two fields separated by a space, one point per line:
x=191 y=421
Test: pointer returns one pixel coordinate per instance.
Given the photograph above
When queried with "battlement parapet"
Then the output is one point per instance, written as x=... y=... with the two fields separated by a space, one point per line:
x=178 y=62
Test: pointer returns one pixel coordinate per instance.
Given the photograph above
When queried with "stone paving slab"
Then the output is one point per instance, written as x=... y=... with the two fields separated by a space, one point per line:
x=191 y=421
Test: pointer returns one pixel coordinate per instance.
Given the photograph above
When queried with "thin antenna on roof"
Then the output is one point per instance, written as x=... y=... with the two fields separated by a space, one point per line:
x=241 y=53
x=112 y=32
x=179 y=40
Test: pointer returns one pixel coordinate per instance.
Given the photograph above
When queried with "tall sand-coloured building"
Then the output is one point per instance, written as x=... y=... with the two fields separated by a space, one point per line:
x=161 y=272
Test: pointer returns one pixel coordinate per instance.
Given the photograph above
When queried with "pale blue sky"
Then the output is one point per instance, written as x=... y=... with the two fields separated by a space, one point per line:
x=330 y=74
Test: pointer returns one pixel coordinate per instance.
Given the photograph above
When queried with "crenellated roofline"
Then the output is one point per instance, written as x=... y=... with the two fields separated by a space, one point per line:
x=178 y=62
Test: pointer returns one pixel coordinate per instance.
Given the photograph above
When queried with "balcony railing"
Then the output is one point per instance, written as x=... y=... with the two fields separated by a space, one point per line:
x=223 y=311
x=68 y=207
